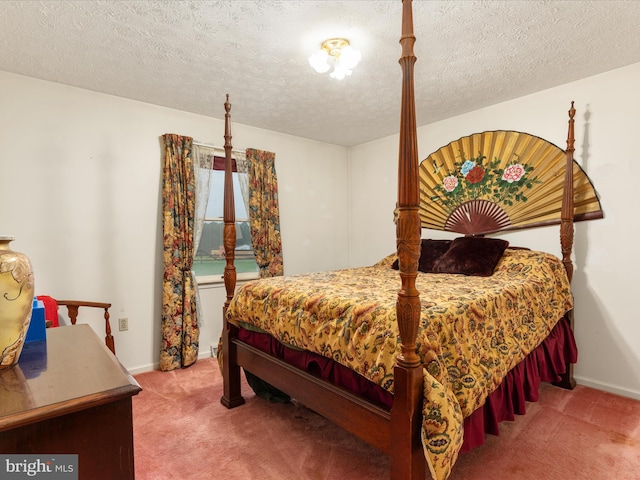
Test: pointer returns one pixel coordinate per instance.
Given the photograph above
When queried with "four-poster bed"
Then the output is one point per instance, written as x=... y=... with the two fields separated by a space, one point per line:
x=445 y=351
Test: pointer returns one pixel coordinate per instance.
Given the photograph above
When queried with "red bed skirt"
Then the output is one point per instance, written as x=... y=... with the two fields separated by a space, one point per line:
x=545 y=364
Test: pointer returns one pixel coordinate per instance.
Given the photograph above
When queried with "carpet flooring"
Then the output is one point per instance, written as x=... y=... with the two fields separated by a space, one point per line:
x=182 y=432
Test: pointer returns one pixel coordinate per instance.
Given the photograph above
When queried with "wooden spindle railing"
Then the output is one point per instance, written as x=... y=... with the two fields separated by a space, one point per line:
x=72 y=309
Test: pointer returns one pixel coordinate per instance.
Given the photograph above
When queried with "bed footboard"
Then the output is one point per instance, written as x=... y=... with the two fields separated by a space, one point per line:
x=350 y=412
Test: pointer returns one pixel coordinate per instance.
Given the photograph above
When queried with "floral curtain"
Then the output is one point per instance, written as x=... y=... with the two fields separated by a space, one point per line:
x=264 y=213
x=180 y=331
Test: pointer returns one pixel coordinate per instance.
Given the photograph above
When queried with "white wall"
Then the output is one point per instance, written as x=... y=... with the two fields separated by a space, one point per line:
x=606 y=260
x=80 y=176
x=80 y=189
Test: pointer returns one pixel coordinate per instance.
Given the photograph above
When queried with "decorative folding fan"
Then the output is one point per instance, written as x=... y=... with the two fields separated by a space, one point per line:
x=499 y=180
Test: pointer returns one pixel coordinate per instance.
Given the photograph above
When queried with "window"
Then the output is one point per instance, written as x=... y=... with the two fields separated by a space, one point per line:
x=210 y=260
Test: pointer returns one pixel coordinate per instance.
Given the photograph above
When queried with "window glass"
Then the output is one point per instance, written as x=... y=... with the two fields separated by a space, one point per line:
x=210 y=260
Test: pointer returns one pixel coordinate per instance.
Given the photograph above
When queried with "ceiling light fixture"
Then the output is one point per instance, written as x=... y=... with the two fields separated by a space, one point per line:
x=344 y=57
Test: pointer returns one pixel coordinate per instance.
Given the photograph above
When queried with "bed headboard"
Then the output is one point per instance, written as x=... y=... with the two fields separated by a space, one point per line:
x=501 y=180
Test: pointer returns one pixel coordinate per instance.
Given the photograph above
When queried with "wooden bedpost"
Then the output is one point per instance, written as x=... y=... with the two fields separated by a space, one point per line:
x=406 y=456
x=229 y=211
x=232 y=395
x=566 y=214
x=566 y=233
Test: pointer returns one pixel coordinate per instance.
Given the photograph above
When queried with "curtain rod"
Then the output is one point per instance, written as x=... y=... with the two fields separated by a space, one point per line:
x=202 y=144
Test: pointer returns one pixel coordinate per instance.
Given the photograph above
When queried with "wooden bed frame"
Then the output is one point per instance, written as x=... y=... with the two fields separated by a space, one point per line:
x=398 y=432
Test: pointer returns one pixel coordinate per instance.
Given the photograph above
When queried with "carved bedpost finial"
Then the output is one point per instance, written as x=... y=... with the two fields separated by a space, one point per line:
x=567 y=212
x=570 y=136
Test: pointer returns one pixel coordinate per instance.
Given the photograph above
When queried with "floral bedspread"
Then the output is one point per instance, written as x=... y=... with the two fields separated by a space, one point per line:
x=473 y=329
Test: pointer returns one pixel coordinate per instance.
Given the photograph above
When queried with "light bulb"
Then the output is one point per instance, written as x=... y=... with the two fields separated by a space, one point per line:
x=349 y=57
x=319 y=61
x=339 y=72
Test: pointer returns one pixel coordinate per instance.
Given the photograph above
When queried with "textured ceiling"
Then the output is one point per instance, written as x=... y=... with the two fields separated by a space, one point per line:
x=188 y=54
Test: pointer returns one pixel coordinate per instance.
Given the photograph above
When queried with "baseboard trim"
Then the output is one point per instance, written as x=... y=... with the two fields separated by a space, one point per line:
x=156 y=366
x=144 y=369
x=624 y=392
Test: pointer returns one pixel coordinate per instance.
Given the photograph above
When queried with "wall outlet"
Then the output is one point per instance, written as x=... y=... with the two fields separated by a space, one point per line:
x=214 y=351
x=123 y=324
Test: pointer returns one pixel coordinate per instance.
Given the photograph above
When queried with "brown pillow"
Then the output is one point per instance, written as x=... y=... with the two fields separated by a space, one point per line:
x=472 y=256
x=431 y=251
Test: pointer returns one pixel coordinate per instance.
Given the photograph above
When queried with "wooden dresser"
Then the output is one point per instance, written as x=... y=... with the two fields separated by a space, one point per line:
x=70 y=395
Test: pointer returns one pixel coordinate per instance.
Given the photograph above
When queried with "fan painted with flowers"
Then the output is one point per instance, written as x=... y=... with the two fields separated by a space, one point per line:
x=499 y=180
